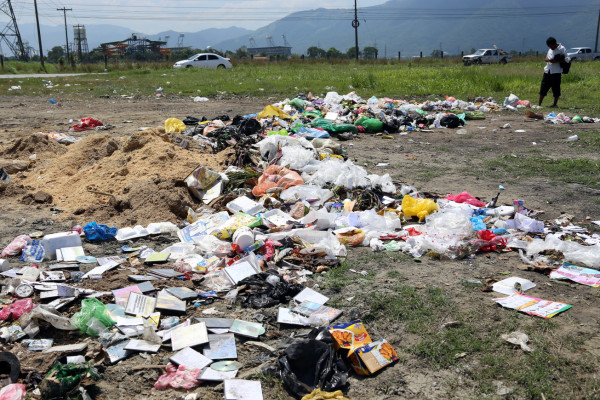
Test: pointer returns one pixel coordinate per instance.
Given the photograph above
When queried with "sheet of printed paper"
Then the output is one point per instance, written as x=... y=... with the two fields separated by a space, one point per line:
x=532 y=305
x=585 y=276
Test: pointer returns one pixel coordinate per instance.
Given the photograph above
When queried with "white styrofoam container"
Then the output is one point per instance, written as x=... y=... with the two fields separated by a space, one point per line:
x=55 y=241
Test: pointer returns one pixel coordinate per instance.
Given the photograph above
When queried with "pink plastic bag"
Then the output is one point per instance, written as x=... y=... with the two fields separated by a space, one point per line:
x=525 y=103
x=450 y=99
x=16 y=309
x=14 y=391
x=178 y=378
x=15 y=247
x=276 y=176
x=465 y=197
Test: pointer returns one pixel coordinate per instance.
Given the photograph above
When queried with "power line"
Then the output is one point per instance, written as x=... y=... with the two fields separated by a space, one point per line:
x=64 y=10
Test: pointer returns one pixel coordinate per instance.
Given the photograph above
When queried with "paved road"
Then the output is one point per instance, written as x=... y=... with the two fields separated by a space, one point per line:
x=21 y=76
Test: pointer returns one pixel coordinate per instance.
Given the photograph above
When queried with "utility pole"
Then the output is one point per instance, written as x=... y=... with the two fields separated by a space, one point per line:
x=597 y=30
x=37 y=21
x=355 y=25
x=64 y=10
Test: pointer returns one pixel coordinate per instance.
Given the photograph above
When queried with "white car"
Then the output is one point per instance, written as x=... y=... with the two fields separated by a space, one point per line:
x=204 y=60
x=582 y=53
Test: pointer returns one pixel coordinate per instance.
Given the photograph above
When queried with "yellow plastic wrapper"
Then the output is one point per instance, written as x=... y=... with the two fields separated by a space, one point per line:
x=421 y=208
x=318 y=394
x=174 y=125
x=272 y=111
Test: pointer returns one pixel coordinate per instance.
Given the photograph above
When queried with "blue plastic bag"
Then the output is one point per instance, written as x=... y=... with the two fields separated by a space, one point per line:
x=93 y=231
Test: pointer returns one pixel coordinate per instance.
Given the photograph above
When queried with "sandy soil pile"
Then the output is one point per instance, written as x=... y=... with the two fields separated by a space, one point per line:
x=123 y=181
x=25 y=146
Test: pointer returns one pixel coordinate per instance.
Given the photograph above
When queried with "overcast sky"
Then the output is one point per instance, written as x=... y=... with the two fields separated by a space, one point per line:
x=153 y=16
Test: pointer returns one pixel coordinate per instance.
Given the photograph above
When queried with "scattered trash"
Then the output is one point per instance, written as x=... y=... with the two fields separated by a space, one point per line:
x=518 y=338
x=533 y=306
x=274 y=200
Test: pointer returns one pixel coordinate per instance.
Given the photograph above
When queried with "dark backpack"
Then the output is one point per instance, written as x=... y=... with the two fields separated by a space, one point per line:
x=566 y=66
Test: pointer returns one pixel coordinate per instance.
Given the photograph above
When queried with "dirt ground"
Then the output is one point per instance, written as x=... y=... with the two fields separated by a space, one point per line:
x=438 y=162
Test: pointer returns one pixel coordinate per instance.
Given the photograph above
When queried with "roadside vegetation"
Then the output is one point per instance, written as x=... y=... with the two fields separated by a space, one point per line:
x=414 y=79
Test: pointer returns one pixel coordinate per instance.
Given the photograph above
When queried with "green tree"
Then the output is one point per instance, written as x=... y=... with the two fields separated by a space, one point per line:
x=436 y=53
x=351 y=53
x=334 y=53
x=54 y=54
x=315 y=52
x=242 y=52
x=370 y=52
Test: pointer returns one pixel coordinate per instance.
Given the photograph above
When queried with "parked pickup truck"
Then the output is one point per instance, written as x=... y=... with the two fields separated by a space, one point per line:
x=487 y=56
x=582 y=54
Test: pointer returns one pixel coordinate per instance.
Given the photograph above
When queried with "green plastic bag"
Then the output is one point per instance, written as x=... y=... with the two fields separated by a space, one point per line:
x=473 y=115
x=91 y=308
x=298 y=103
x=344 y=128
x=296 y=126
x=313 y=113
x=281 y=132
x=63 y=380
x=323 y=124
x=360 y=121
x=372 y=125
x=462 y=117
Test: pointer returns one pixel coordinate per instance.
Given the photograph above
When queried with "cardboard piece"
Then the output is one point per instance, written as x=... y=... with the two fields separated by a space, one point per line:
x=372 y=357
x=507 y=286
x=224 y=323
x=286 y=316
x=240 y=389
x=101 y=269
x=69 y=254
x=157 y=258
x=166 y=302
x=52 y=276
x=189 y=336
x=247 y=329
x=308 y=294
x=190 y=358
x=69 y=348
x=138 y=304
x=182 y=293
x=164 y=272
x=142 y=345
x=220 y=347
x=122 y=295
x=240 y=271
x=211 y=375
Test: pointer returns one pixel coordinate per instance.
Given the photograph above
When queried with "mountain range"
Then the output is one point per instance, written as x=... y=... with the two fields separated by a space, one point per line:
x=406 y=26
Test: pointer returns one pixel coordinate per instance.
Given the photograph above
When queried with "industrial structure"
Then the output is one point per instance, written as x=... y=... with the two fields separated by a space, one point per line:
x=271 y=49
x=10 y=34
x=134 y=45
x=80 y=41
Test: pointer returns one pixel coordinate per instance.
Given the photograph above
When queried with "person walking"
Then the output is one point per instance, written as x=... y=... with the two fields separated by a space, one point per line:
x=553 y=71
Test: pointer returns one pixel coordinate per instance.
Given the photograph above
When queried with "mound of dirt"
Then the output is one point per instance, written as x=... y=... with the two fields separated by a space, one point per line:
x=123 y=181
x=35 y=143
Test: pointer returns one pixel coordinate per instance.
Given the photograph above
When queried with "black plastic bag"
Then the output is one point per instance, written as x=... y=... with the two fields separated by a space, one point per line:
x=193 y=120
x=307 y=365
x=259 y=293
x=451 y=121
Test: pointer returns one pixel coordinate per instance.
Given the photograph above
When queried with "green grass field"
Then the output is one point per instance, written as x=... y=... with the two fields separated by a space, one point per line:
x=417 y=79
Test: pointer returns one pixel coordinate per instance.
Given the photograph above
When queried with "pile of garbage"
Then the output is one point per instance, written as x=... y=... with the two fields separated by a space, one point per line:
x=284 y=203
